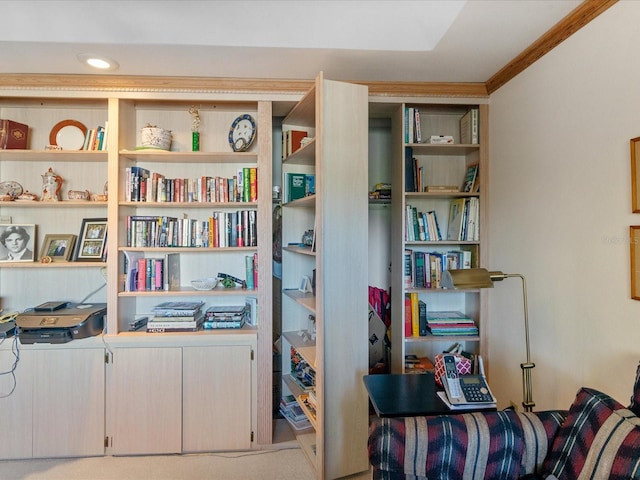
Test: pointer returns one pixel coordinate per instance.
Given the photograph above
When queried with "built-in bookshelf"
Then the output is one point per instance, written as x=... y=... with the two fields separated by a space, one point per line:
x=324 y=236
x=439 y=185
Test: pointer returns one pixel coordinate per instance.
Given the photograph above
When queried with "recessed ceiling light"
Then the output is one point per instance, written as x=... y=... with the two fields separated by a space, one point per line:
x=98 y=61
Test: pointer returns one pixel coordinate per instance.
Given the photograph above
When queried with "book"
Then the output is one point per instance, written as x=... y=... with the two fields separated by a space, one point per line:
x=296 y=186
x=221 y=324
x=293 y=139
x=408 y=327
x=174 y=325
x=415 y=315
x=171 y=274
x=469 y=128
x=177 y=308
x=470 y=178
x=13 y=135
x=422 y=318
x=456 y=219
x=251 y=304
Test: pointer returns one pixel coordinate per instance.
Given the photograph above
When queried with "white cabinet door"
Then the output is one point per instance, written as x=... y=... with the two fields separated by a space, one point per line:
x=16 y=401
x=68 y=402
x=145 y=401
x=217 y=398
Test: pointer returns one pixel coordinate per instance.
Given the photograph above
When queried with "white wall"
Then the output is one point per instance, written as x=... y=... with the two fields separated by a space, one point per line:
x=560 y=210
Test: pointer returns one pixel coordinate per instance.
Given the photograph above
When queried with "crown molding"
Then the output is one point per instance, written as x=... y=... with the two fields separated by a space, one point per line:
x=123 y=83
x=574 y=21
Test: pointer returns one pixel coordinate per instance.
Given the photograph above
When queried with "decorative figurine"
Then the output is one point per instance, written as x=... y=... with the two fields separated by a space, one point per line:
x=195 y=128
x=51 y=185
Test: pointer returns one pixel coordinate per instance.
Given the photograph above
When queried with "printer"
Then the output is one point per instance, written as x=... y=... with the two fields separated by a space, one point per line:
x=73 y=321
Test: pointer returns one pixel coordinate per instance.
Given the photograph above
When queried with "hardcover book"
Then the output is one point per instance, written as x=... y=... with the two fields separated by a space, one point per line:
x=13 y=135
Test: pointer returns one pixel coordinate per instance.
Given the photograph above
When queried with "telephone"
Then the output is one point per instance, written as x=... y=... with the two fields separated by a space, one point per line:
x=464 y=389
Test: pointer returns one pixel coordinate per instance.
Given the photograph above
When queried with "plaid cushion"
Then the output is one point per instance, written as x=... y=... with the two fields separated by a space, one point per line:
x=635 y=398
x=600 y=439
x=489 y=445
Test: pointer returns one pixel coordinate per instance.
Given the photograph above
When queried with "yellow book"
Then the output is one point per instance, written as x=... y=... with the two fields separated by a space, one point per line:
x=415 y=315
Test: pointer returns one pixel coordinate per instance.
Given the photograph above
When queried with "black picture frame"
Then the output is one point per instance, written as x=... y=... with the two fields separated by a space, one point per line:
x=92 y=241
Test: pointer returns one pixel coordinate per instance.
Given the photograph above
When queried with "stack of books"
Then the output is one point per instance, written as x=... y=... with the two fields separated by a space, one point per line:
x=233 y=316
x=450 y=323
x=176 y=317
x=292 y=412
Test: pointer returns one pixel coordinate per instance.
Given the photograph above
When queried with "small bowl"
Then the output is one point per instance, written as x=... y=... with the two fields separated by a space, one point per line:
x=204 y=283
x=78 y=194
x=154 y=137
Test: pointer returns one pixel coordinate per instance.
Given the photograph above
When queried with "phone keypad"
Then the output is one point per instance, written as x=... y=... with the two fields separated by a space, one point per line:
x=476 y=394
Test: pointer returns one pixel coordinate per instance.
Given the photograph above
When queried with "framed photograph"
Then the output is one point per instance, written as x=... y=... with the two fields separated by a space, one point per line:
x=17 y=242
x=58 y=247
x=92 y=240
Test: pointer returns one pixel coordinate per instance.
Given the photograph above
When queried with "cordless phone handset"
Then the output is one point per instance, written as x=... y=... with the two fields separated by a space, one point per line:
x=451 y=380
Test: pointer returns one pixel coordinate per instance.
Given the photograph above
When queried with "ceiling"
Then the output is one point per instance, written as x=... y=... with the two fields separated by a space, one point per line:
x=396 y=41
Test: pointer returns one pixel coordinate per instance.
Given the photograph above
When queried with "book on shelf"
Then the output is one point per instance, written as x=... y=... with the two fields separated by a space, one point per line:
x=441 y=188
x=450 y=322
x=251 y=304
x=415 y=315
x=292 y=141
x=298 y=185
x=223 y=324
x=422 y=318
x=177 y=308
x=456 y=219
x=13 y=135
x=469 y=127
x=182 y=325
x=415 y=364
x=171 y=278
x=470 y=178
x=408 y=322
x=410 y=172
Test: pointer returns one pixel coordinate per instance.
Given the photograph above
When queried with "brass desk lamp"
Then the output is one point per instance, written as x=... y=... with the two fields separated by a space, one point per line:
x=482 y=278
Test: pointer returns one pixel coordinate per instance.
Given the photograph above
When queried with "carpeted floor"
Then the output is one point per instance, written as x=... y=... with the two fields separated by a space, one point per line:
x=279 y=464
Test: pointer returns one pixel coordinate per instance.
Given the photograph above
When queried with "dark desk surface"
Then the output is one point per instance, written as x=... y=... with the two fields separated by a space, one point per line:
x=394 y=395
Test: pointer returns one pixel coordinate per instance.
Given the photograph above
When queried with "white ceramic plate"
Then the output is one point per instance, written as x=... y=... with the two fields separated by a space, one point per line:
x=10 y=188
x=68 y=134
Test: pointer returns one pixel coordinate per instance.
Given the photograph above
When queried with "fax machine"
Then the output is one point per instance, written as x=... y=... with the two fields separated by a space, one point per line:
x=72 y=321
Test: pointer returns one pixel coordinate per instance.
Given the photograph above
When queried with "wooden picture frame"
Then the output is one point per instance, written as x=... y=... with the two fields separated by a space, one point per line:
x=634 y=242
x=59 y=248
x=24 y=248
x=92 y=241
x=635 y=174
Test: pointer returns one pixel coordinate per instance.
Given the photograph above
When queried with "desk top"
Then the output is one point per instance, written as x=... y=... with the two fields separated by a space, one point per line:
x=406 y=395
x=395 y=395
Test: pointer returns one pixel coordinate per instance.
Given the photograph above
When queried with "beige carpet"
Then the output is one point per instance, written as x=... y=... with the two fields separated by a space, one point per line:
x=256 y=465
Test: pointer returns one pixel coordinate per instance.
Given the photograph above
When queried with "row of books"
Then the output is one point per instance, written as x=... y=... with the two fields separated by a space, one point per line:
x=302 y=372
x=418 y=322
x=416 y=180
x=222 y=229
x=464 y=216
x=292 y=141
x=174 y=316
x=298 y=185
x=96 y=138
x=142 y=185
x=424 y=269
x=163 y=273
x=151 y=274
x=413 y=130
x=469 y=127
x=422 y=226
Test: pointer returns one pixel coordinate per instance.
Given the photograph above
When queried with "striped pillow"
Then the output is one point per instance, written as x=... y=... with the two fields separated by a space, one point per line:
x=599 y=439
x=635 y=398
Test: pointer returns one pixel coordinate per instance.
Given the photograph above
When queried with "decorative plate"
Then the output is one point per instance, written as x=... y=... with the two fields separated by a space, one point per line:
x=242 y=133
x=13 y=189
x=68 y=134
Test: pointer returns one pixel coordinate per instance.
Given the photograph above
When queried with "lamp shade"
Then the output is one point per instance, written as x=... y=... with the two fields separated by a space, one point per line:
x=469 y=278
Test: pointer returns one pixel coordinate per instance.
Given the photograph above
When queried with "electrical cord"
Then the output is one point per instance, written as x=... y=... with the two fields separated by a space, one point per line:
x=15 y=349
